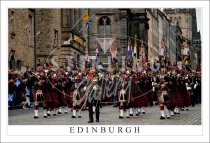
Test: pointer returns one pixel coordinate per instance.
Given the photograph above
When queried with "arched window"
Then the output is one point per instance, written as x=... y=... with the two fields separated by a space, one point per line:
x=104 y=26
x=12 y=64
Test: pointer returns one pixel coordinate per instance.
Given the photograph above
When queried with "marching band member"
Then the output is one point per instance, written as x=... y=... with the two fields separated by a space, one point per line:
x=77 y=97
x=164 y=99
x=94 y=98
x=123 y=101
x=39 y=98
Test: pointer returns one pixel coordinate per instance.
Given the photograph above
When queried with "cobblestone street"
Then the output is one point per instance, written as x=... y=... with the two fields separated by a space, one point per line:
x=109 y=116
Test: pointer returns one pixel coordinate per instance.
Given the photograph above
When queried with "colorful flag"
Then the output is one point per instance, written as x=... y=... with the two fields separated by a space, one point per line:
x=144 y=61
x=162 y=48
x=186 y=48
x=87 y=61
x=129 y=50
x=86 y=55
x=98 y=60
x=85 y=17
x=113 y=49
x=88 y=24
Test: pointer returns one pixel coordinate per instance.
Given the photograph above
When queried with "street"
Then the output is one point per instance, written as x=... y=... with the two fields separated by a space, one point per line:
x=109 y=116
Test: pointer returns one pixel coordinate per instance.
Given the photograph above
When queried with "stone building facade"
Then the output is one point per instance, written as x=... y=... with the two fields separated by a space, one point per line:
x=55 y=26
x=41 y=34
x=153 y=35
x=186 y=19
x=20 y=38
x=118 y=24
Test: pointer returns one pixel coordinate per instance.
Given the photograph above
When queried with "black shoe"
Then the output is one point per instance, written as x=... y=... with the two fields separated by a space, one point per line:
x=168 y=117
x=73 y=116
x=143 y=112
x=54 y=114
x=45 y=116
x=59 y=112
x=66 y=112
x=48 y=114
x=79 y=116
x=120 y=117
x=187 y=109
x=127 y=117
x=36 y=117
x=131 y=114
x=137 y=114
x=182 y=109
x=175 y=113
x=90 y=121
x=97 y=120
x=162 y=118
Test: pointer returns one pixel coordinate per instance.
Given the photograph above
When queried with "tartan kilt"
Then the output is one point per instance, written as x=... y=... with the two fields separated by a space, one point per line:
x=55 y=101
x=162 y=98
x=139 y=101
x=62 y=100
x=176 y=98
x=47 y=96
x=38 y=99
x=123 y=106
x=142 y=101
x=76 y=107
x=186 y=99
x=69 y=95
x=150 y=96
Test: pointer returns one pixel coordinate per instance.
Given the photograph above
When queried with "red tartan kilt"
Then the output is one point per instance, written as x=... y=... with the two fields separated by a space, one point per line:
x=186 y=100
x=142 y=101
x=176 y=98
x=69 y=95
x=47 y=96
x=63 y=99
x=55 y=100
x=77 y=107
x=124 y=106
x=150 y=96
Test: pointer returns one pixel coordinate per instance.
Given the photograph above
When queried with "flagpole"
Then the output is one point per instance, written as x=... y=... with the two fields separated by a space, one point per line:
x=77 y=22
x=85 y=25
x=81 y=28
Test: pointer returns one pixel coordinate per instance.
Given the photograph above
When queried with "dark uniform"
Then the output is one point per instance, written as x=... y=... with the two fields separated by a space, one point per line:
x=94 y=98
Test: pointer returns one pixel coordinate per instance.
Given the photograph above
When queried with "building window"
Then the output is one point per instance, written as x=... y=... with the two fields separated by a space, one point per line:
x=104 y=26
x=55 y=44
x=12 y=63
x=30 y=31
x=12 y=23
x=175 y=20
x=186 y=19
x=66 y=18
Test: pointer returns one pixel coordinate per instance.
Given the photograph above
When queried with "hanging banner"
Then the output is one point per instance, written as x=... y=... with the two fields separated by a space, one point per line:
x=179 y=64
